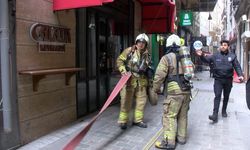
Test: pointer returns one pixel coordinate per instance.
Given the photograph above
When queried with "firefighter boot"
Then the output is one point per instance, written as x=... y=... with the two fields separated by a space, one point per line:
x=123 y=126
x=181 y=140
x=170 y=147
x=214 y=117
x=161 y=144
x=165 y=145
x=140 y=124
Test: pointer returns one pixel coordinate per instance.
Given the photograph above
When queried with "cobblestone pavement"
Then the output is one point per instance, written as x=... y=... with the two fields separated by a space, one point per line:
x=231 y=133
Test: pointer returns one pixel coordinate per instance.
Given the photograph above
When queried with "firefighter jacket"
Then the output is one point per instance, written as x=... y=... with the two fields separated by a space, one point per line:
x=167 y=67
x=137 y=62
x=224 y=64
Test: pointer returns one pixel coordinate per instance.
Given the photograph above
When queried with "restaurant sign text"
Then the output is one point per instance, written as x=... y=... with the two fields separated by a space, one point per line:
x=50 y=38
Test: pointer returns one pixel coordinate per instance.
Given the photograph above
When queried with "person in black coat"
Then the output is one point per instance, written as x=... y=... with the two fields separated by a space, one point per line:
x=224 y=64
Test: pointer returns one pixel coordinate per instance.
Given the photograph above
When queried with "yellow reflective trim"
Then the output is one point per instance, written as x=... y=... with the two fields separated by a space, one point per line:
x=173 y=86
x=162 y=67
x=182 y=41
x=122 y=57
x=138 y=115
x=123 y=116
x=122 y=68
x=158 y=143
x=169 y=135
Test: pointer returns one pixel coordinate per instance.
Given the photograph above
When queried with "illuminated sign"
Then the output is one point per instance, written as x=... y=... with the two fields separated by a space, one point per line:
x=186 y=18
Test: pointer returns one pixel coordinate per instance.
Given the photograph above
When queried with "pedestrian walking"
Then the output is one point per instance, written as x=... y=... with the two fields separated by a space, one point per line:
x=224 y=64
x=176 y=69
x=135 y=59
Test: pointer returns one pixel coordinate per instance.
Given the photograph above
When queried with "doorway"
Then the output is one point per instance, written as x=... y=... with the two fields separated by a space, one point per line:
x=99 y=43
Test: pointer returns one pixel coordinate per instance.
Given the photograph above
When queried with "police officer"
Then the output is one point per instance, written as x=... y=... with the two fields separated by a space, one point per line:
x=224 y=63
x=176 y=103
x=135 y=59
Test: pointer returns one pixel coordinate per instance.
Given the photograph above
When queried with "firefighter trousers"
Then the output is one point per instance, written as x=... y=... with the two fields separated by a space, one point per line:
x=128 y=95
x=175 y=117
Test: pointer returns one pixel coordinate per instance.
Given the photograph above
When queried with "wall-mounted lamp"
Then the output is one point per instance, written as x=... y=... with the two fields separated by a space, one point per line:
x=244 y=17
x=160 y=39
x=91 y=26
x=209 y=17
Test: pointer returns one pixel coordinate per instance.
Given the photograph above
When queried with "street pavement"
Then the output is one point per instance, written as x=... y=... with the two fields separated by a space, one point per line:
x=231 y=133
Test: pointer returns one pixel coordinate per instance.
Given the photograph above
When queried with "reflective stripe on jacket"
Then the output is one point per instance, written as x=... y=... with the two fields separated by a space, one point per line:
x=167 y=66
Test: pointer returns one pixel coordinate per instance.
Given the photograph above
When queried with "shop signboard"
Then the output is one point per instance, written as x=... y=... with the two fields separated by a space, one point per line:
x=50 y=38
x=186 y=18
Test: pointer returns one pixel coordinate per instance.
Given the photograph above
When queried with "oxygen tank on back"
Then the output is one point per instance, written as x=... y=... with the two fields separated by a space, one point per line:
x=187 y=64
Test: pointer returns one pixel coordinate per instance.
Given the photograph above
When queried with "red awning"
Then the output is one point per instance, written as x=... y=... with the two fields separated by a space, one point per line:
x=70 y=4
x=107 y=1
x=158 y=16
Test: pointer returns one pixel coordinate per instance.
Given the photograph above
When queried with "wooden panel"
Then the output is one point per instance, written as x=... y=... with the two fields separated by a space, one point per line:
x=45 y=103
x=53 y=105
x=22 y=33
x=67 y=18
x=50 y=83
x=29 y=58
x=33 y=129
x=38 y=11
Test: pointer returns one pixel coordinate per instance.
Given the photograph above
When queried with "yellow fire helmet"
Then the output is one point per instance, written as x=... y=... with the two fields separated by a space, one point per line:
x=173 y=39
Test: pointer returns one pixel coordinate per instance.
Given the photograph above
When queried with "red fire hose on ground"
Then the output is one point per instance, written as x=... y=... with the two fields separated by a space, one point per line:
x=77 y=139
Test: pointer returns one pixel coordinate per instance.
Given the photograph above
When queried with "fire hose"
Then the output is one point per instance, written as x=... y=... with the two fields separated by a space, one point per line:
x=77 y=139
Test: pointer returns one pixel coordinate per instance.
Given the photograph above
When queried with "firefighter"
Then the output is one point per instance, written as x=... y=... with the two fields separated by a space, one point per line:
x=176 y=69
x=135 y=59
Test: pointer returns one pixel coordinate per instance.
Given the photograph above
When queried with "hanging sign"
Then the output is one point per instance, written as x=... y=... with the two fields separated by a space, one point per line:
x=186 y=18
x=197 y=45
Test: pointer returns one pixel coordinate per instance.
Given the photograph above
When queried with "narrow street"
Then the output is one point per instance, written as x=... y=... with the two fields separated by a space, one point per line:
x=231 y=133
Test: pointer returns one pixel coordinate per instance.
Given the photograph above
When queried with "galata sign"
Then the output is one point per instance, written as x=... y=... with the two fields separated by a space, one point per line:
x=50 y=38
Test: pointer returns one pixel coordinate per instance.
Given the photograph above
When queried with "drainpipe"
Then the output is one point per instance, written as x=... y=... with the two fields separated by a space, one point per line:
x=5 y=65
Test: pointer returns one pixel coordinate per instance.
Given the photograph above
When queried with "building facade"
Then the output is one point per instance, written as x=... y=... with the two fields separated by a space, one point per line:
x=61 y=63
x=242 y=17
x=64 y=63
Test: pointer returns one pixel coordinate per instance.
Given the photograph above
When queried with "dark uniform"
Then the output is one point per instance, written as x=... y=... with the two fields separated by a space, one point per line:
x=224 y=64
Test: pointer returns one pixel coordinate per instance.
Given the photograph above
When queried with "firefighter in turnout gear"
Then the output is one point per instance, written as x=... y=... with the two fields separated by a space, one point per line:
x=176 y=69
x=135 y=59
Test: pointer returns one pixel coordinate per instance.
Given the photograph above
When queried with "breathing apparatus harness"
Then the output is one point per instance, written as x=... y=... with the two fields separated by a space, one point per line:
x=184 y=84
x=137 y=66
